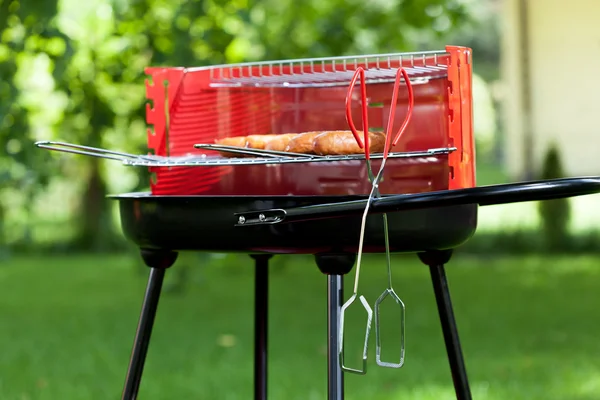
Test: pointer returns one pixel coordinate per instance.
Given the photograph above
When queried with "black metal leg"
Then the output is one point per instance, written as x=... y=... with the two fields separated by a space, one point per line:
x=158 y=263
x=261 y=313
x=436 y=262
x=335 y=300
x=335 y=266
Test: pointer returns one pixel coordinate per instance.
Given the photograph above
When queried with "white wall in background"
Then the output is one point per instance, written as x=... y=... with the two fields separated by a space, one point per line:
x=564 y=61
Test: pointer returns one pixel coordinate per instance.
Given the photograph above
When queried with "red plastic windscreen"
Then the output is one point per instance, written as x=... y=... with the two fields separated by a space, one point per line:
x=186 y=109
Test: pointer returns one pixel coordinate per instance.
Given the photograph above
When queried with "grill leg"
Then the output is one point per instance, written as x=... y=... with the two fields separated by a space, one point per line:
x=335 y=266
x=158 y=261
x=436 y=261
x=261 y=313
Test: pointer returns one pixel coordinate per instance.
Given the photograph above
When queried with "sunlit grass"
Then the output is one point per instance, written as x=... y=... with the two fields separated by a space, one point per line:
x=529 y=328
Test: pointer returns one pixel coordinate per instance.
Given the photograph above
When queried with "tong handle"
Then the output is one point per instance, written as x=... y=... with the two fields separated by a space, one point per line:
x=366 y=306
x=401 y=72
x=360 y=71
x=389 y=292
x=88 y=151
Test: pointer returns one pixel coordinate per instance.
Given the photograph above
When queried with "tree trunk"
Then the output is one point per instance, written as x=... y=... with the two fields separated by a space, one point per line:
x=96 y=231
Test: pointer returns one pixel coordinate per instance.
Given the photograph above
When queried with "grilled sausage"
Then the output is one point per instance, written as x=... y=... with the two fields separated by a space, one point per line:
x=236 y=141
x=343 y=143
x=258 y=141
x=303 y=143
x=280 y=142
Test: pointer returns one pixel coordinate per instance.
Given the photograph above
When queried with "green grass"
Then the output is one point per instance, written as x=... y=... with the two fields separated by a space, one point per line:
x=529 y=329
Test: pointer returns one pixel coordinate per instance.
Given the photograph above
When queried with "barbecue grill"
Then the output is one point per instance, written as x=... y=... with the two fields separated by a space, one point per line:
x=210 y=196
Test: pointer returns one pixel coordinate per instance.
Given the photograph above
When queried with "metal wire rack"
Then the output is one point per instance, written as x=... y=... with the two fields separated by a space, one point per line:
x=259 y=157
x=331 y=71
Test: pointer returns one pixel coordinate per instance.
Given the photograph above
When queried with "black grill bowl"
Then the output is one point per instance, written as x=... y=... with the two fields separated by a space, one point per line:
x=206 y=223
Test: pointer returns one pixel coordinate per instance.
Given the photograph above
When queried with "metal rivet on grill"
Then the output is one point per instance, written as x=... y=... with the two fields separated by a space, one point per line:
x=241 y=220
x=262 y=217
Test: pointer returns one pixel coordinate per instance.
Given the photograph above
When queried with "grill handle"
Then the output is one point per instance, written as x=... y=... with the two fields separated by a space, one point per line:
x=483 y=196
x=90 y=151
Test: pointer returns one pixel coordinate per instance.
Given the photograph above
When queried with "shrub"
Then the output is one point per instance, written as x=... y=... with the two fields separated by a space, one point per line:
x=555 y=214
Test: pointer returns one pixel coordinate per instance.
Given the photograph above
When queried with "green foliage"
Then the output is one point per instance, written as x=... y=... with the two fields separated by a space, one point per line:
x=24 y=26
x=282 y=29
x=554 y=214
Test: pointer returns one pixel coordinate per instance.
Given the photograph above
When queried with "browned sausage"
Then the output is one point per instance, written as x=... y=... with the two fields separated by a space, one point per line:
x=280 y=142
x=343 y=143
x=303 y=143
x=236 y=141
x=258 y=141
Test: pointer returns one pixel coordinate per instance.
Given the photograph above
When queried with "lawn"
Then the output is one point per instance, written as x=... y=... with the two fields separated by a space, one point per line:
x=529 y=329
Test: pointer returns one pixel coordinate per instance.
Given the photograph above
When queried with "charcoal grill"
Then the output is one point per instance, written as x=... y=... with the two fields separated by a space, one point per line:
x=272 y=202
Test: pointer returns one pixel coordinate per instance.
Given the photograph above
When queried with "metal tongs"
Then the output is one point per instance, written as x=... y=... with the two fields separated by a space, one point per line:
x=375 y=180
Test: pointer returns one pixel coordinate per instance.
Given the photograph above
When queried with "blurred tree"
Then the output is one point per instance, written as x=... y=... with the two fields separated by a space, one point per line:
x=315 y=28
x=97 y=50
x=26 y=31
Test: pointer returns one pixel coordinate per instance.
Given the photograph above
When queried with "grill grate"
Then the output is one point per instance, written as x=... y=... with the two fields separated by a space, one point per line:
x=333 y=71
x=261 y=157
